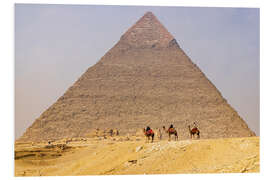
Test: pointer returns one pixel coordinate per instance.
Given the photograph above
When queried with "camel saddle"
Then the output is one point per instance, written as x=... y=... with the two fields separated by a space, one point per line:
x=171 y=130
x=194 y=129
x=150 y=131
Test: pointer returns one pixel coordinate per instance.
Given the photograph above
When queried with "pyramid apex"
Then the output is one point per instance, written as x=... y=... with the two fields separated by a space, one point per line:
x=149 y=16
x=148 y=32
x=149 y=13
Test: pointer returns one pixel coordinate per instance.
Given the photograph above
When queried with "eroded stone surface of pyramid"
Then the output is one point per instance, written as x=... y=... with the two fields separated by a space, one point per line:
x=145 y=79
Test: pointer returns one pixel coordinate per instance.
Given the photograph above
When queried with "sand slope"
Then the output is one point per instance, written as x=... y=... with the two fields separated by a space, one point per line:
x=133 y=155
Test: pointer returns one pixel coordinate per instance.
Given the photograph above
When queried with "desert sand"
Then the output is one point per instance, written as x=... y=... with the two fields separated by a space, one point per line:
x=134 y=155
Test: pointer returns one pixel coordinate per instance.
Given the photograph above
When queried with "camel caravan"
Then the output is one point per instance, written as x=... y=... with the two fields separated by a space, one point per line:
x=105 y=133
x=149 y=133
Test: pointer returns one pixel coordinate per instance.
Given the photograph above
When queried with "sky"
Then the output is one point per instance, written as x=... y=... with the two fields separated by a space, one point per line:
x=56 y=44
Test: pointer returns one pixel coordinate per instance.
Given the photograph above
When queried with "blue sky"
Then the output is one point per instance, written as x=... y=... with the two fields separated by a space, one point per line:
x=55 y=44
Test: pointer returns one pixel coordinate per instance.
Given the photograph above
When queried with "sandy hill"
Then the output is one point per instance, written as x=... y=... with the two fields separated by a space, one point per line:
x=145 y=79
x=119 y=155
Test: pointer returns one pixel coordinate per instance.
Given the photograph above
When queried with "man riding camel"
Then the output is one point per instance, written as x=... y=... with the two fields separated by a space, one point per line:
x=171 y=128
x=149 y=130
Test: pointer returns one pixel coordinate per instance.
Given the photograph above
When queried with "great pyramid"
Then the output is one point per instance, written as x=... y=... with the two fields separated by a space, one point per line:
x=145 y=79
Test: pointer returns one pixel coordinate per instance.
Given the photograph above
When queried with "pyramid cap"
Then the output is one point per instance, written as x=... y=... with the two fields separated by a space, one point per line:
x=148 y=32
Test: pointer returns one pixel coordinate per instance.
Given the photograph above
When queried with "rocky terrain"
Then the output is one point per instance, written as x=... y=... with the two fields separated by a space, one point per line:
x=133 y=155
x=145 y=79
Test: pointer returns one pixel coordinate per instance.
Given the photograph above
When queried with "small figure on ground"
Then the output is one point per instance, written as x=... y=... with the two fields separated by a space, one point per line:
x=104 y=134
x=97 y=132
x=160 y=134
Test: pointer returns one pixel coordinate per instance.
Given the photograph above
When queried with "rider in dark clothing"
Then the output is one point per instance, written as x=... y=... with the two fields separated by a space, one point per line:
x=194 y=125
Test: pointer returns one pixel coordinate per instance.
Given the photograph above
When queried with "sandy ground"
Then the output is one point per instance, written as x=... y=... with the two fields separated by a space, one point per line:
x=133 y=155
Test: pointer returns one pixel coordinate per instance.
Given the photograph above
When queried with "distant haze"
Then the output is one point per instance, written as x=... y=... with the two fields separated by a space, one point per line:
x=56 y=44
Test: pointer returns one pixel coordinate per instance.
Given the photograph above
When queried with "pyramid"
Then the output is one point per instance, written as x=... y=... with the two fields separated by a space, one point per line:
x=145 y=79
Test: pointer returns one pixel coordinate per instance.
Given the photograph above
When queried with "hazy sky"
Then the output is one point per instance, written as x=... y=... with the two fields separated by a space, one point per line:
x=56 y=44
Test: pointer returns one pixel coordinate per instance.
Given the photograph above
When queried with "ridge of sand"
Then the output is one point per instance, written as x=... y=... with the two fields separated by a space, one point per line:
x=132 y=155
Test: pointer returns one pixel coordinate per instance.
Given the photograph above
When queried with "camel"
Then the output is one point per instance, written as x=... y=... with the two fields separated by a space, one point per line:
x=171 y=131
x=194 y=131
x=149 y=133
x=114 y=132
x=111 y=132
